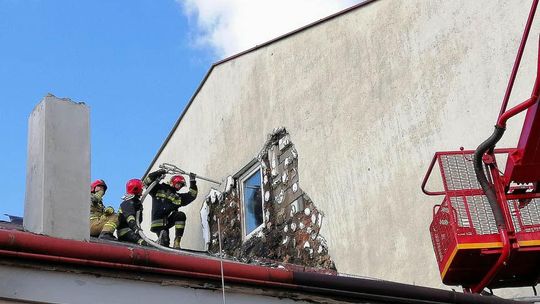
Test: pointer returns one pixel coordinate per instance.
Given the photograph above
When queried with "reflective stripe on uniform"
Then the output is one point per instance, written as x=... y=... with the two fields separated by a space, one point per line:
x=110 y=224
x=193 y=192
x=94 y=217
x=175 y=200
x=130 y=218
x=177 y=241
x=158 y=223
x=123 y=231
x=179 y=225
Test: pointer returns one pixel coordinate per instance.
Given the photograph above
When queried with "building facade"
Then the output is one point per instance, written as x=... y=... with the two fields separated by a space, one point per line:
x=367 y=96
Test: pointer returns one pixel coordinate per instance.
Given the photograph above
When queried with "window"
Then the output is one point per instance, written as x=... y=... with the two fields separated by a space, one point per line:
x=252 y=202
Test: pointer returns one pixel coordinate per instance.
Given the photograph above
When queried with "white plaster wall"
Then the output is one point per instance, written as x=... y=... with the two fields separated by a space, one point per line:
x=26 y=284
x=367 y=98
x=58 y=170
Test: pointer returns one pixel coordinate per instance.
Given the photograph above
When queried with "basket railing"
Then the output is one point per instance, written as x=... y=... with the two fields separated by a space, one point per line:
x=465 y=210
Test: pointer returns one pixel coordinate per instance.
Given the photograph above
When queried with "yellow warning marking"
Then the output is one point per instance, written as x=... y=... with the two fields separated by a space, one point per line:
x=529 y=243
x=468 y=246
x=447 y=265
x=480 y=245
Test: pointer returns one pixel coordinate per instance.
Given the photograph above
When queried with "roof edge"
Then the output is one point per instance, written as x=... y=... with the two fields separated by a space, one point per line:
x=24 y=245
x=294 y=32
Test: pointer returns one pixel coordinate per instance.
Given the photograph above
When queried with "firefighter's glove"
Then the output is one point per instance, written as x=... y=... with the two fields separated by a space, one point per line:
x=99 y=195
x=142 y=242
x=109 y=210
x=192 y=176
x=157 y=174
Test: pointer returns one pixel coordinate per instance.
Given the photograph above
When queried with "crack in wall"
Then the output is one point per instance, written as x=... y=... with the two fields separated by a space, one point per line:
x=291 y=226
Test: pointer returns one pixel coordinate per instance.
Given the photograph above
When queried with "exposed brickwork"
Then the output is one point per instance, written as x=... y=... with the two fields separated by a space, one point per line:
x=290 y=234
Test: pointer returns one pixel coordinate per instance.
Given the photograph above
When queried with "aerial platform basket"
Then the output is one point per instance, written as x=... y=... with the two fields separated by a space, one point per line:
x=465 y=235
x=486 y=231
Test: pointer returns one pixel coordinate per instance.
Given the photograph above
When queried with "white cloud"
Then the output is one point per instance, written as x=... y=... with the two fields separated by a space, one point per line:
x=231 y=26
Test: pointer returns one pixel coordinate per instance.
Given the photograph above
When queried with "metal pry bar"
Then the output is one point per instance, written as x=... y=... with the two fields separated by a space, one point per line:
x=172 y=169
x=138 y=221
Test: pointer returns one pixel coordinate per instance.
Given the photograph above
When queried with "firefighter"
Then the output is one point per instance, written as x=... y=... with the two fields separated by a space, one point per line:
x=128 y=230
x=165 y=203
x=103 y=221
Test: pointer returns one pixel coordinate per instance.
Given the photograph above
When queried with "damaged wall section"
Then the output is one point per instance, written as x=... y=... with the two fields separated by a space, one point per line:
x=291 y=224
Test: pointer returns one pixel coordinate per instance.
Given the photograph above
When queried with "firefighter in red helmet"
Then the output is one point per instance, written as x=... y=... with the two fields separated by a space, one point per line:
x=128 y=230
x=166 y=199
x=103 y=221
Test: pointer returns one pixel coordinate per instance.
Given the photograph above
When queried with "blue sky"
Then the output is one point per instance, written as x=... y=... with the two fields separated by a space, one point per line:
x=134 y=66
x=134 y=63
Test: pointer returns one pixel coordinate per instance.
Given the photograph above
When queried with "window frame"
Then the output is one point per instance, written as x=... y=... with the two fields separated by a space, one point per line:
x=254 y=168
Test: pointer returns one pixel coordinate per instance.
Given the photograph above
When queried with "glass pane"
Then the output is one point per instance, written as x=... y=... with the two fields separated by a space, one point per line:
x=253 y=202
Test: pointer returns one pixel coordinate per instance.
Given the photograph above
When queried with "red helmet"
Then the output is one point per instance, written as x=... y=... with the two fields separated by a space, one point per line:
x=134 y=186
x=97 y=182
x=178 y=179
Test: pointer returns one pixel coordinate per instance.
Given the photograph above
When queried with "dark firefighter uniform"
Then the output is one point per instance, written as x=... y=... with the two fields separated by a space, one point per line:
x=165 y=203
x=128 y=230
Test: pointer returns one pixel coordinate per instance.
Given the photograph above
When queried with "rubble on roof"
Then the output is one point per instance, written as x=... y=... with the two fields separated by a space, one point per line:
x=292 y=222
x=15 y=219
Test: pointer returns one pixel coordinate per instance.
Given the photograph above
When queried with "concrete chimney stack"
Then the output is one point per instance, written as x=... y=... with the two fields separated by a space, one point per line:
x=58 y=169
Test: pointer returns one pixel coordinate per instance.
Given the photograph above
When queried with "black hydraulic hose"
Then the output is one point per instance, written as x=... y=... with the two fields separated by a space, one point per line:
x=489 y=144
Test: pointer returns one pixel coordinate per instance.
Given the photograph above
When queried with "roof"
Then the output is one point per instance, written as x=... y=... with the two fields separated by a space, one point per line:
x=22 y=247
x=282 y=37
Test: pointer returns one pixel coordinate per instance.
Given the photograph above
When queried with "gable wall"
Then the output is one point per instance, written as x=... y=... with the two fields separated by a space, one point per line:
x=367 y=98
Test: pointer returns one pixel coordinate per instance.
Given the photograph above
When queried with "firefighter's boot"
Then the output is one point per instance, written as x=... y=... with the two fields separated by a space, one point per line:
x=163 y=238
x=177 y=240
x=106 y=235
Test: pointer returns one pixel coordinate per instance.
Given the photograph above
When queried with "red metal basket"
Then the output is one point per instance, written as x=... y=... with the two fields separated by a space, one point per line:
x=464 y=233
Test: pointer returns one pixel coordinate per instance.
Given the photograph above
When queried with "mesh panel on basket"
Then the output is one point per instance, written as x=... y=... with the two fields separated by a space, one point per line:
x=529 y=215
x=460 y=212
x=458 y=172
x=481 y=216
x=441 y=232
x=472 y=211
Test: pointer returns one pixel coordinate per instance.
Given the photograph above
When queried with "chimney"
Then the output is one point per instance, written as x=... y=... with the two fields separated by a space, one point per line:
x=58 y=170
